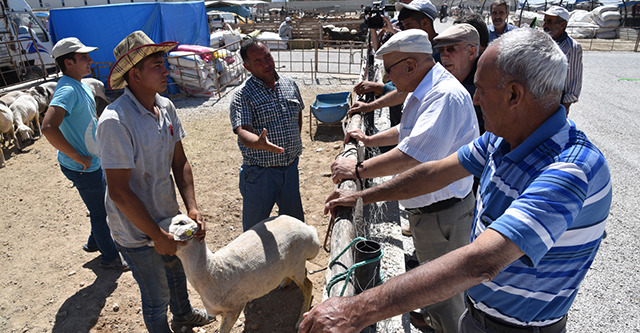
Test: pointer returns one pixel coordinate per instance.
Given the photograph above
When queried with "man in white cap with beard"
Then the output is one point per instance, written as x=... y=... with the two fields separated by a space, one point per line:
x=555 y=24
x=438 y=119
x=140 y=141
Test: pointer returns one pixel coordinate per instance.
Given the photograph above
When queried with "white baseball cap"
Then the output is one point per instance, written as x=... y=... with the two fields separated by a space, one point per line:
x=68 y=45
x=287 y=19
x=562 y=12
x=407 y=41
x=424 y=6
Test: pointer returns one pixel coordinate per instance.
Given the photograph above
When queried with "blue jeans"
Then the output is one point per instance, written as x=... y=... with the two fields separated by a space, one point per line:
x=261 y=188
x=92 y=189
x=162 y=282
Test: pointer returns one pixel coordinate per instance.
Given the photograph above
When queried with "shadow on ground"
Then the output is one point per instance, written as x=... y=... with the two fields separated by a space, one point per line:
x=80 y=312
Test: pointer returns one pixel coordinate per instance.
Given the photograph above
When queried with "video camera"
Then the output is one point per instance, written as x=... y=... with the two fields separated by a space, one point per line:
x=373 y=14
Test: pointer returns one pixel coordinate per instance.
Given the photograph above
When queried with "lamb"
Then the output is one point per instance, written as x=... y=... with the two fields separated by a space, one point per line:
x=97 y=87
x=6 y=128
x=25 y=111
x=8 y=98
x=249 y=267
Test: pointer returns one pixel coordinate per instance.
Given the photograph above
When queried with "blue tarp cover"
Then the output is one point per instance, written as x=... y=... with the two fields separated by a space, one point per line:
x=105 y=26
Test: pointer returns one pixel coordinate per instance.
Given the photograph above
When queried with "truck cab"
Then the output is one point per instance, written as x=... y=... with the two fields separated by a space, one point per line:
x=25 y=44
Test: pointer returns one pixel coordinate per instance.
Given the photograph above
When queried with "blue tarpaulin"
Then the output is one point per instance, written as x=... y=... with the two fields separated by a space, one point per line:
x=105 y=26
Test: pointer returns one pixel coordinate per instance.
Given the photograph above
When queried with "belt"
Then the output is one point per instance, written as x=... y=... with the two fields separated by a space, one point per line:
x=500 y=326
x=436 y=206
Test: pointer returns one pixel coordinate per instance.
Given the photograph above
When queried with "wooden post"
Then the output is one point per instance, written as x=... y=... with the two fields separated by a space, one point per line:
x=344 y=230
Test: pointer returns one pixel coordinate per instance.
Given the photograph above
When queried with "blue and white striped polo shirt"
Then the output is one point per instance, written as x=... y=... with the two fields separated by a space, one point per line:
x=551 y=197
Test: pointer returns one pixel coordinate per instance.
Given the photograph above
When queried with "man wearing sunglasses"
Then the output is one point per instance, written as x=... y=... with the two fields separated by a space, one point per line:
x=459 y=51
x=437 y=120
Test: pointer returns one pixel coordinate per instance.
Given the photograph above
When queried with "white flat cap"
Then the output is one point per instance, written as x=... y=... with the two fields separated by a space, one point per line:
x=562 y=12
x=407 y=41
x=458 y=33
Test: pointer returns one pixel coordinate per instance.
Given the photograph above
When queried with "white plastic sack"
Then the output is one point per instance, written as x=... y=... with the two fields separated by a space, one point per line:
x=231 y=37
x=579 y=16
x=190 y=74
x=185 y=59
x=273 y=41
x=607 y=35
x=598 y=11
x=610 y=16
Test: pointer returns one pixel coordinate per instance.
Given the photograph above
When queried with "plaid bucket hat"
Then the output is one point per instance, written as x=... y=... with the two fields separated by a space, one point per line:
x=129 y=52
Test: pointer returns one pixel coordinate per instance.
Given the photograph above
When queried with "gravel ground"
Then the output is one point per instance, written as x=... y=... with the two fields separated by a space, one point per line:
x=607 y=112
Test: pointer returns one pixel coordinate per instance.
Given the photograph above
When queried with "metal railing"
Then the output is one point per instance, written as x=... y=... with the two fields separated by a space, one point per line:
x=294 y=56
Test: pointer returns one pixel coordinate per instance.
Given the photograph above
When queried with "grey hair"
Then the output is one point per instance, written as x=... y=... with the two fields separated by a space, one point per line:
x=533 y=58
x=498 y=3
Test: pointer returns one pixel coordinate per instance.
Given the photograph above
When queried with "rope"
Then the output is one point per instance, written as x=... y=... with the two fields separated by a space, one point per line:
x=346 y=275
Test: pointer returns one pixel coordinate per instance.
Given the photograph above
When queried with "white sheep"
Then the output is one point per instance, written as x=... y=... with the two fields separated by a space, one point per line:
x=249 y=267
x=97 y=87
x=43 y=94
x=6 y=129
x=25 y=113
x=9 y=97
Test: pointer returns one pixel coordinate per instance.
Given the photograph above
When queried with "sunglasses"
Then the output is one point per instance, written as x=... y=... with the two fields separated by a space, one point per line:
x=448 y=48
x=388 y=69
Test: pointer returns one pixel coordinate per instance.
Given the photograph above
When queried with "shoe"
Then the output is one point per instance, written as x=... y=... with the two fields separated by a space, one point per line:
x=199 y=317
x=417 y=320
x=86 y=248
x=406 y=230
x=117 y=264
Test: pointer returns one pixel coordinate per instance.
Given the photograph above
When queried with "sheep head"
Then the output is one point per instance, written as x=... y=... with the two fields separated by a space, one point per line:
x=181 y=226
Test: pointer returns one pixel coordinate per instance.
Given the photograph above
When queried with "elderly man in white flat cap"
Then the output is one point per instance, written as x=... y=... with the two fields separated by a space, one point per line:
x=555 y=24
x=140 y=141
x=438 y=119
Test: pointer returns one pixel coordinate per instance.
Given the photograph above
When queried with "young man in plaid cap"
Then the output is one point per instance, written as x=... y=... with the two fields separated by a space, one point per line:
x=70 y=126
x=140 y=141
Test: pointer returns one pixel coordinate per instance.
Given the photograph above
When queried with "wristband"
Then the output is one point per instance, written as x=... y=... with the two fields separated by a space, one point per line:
x=357 y=166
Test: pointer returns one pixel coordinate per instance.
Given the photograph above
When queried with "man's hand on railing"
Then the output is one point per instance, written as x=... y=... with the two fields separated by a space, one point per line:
x=360 y=107
x=338 y=197
x=343 y=168
x=358 y=135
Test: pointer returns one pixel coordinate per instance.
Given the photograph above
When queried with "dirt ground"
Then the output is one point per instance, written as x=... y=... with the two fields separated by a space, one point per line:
x=49 y=284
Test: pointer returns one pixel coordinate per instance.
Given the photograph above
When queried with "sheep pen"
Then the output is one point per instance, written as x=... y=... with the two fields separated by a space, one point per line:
x=51 y=285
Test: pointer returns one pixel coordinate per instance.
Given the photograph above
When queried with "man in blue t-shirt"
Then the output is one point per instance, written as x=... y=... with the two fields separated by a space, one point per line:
x=70 y=126
x=541 y=210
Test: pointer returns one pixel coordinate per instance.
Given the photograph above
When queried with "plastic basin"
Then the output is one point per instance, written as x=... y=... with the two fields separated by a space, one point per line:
x=330 y=108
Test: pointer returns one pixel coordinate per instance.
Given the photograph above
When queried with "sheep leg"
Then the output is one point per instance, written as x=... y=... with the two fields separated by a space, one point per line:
x=307 y=292
x=37 y=121
x=285 y=283
x=229 y=319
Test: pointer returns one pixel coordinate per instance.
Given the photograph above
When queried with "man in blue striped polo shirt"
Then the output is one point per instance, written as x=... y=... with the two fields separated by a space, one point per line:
x=543 y=200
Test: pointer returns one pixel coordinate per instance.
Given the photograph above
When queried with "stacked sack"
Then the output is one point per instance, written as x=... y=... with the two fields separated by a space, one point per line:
x=608 y=19
x=196 y=68
x=581 y=25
